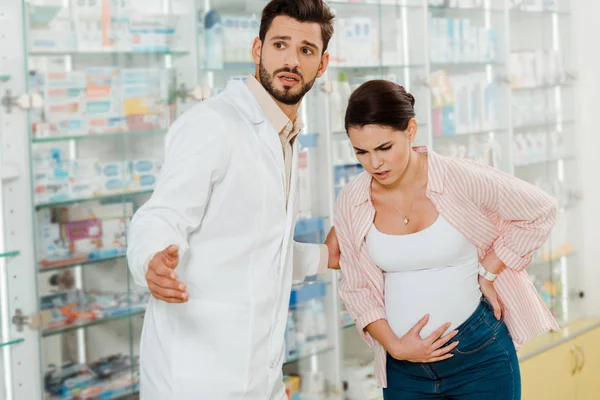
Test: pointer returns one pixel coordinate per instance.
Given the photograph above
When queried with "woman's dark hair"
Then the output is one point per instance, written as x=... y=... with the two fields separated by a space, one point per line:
x=302 y=11
x=380 y=102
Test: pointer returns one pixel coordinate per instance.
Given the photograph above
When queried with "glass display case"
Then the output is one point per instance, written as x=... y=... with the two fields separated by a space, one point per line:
x=101 y=81
x=543 y=83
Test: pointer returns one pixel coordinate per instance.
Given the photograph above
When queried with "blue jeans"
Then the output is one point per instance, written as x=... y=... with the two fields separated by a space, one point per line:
x=484 y=366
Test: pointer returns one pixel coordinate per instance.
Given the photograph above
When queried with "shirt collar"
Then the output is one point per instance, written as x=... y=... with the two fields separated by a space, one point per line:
x=435 y=177
x=275 y=115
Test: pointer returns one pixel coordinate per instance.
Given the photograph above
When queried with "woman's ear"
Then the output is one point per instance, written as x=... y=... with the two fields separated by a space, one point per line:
x=412 y=130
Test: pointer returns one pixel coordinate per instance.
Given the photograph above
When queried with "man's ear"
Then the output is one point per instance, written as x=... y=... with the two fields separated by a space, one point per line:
x=323 y=65
x=256 y=50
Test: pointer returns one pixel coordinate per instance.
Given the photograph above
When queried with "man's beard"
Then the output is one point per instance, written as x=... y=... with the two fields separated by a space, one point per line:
x=284 y=96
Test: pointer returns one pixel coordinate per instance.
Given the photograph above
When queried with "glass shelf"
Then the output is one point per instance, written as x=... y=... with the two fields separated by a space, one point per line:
x=11 y=342
x=553 y=260
x=540 y=12
x=349 y=325
x=10 y=254
x=569 y=157
x=87 y=324
x=120 y=394
x=111 y=196
x=376 y=3
x=465 y=9
x=83 y=53
x=542 y=87
x=542 y=125
x=98 y=136
x=232 y=67
x=370 y=67
x=4 y=78
x=124 y=396
x=69 y=263
x=467 y=134
x=309 y=354
x=442 y=65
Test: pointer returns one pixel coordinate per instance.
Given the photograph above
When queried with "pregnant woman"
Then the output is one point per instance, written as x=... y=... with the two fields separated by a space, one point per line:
x=434 y=251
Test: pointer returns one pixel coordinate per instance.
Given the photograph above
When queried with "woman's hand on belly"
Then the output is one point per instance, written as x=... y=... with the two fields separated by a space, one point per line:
x=433 y=348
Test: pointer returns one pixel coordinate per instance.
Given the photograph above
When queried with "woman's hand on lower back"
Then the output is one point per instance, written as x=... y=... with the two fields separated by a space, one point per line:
x=433 y=348
x=489 y=292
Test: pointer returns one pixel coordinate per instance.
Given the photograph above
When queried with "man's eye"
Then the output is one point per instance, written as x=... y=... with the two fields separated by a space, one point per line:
x=307 y=51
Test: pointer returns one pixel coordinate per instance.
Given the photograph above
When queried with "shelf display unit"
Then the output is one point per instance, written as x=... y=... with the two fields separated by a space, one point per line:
x=109 y=78
x=90 y=88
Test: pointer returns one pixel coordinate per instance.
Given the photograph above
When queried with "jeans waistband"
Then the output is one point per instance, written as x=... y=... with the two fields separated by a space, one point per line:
x=480 y=312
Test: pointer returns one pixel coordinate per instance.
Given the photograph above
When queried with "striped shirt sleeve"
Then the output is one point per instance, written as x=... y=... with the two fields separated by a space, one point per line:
x=360 y=299
x=523 y=213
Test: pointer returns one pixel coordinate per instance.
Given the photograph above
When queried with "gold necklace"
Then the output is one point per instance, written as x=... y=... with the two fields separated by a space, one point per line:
x=406 y=216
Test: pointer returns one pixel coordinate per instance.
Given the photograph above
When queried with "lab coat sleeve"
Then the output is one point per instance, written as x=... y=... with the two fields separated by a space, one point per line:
x=197 y=155
x=309 y=259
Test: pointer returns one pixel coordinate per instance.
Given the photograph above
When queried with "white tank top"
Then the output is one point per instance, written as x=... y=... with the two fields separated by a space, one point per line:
x=433 y=271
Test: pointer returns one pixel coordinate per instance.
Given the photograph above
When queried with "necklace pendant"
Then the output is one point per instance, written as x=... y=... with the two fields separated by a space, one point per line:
x=406 y=220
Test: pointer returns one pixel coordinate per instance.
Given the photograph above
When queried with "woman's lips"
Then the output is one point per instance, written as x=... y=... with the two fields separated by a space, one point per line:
x=382 y=175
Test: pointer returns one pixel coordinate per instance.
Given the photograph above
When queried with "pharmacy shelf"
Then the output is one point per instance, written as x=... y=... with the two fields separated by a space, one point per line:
x=464 y=65
x=86 y=324
x=232 y=67
x=518 y=11
x=466 y=9
x=415 y=5
x=124 y=395
x=112 y=196
x=546 y=162
x=372 y=67
x=4 y=78
x=52 y=139
x=346 y=320
x=91 y=53
x=10 y=342
x=562 y=85
x=69 y=263
x=473 y=133
x=540 y=125
x=553 y=260
x=307 y=355
x=349 y=325
x=10 y=254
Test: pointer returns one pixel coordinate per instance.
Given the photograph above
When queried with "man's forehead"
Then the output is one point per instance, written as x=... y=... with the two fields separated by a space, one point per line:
x=294 y=30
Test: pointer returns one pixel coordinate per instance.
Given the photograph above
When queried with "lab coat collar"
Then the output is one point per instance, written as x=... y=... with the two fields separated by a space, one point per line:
x=242 y=98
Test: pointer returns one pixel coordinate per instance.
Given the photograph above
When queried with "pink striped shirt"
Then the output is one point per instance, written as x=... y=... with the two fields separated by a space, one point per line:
x=492 y=209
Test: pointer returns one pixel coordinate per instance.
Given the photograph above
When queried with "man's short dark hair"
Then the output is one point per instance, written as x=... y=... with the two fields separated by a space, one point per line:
x=300 y=10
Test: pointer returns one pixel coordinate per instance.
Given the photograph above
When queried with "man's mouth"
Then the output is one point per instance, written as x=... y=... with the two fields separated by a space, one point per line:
x=288 y=79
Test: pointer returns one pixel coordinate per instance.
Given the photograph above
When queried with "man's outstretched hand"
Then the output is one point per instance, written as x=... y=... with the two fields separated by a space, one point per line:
x=162 y=278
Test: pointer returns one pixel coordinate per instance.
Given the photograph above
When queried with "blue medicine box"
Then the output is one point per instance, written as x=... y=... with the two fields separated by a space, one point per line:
x=307 y=292
x=311 y=230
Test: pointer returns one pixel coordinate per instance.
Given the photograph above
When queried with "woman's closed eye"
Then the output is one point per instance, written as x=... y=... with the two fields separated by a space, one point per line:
x=361 y=152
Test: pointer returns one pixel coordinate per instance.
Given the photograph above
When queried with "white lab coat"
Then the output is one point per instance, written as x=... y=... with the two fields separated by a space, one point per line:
x=221 y=198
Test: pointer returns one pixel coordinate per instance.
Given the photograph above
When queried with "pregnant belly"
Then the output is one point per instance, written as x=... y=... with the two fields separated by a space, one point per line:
x=446 y=294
